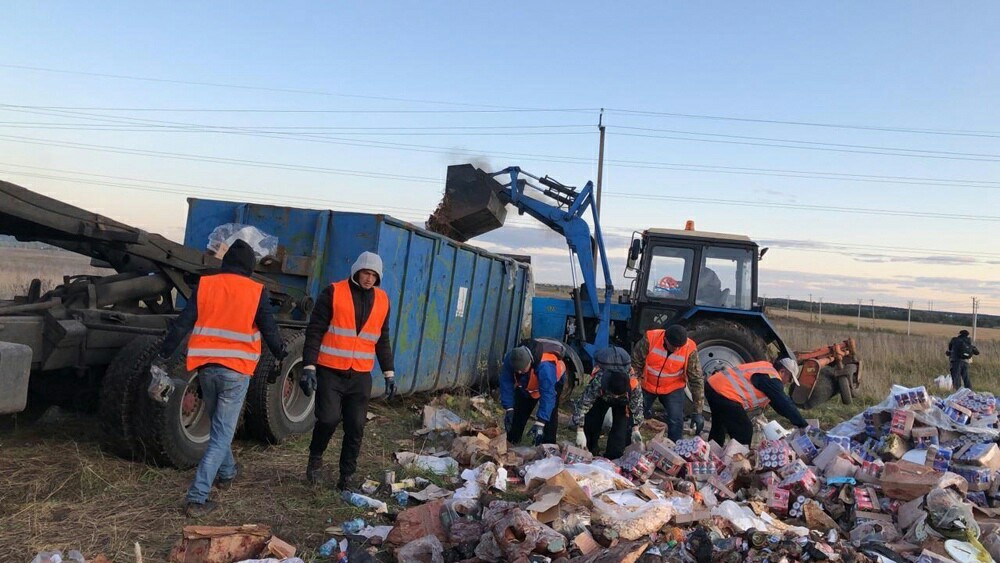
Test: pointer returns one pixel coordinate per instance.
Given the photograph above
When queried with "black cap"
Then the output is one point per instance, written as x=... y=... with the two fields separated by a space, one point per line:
x=613 y=358
x=676 y=335
x=963 y=332
x=239 y=259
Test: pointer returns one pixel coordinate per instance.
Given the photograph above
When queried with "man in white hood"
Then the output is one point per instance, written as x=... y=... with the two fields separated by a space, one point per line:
x=348 y=329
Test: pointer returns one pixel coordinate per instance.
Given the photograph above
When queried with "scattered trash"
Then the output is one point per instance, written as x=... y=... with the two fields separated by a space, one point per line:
x=57 y=557
x=437 y=419
x=363 y=501
x=437 y=465
x=427 y=549
x=221 y=544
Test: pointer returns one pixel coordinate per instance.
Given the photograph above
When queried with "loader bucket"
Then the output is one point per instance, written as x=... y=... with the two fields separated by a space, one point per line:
x=471 y=205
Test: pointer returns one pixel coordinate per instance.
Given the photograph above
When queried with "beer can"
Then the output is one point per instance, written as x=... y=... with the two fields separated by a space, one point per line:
x=390 y=477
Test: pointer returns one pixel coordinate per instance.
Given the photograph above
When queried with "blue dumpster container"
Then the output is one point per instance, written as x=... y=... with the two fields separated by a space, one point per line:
x=455 y=309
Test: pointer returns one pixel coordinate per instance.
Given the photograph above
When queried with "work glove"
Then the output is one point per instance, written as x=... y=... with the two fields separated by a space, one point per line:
x=637 y=438
x=282 y=354
x=508 y=420
x=308 y=380
x=390 y=385
x=581 y=439
x=161 y=387
x=697 y=423
x=536 y=432
x=275 y=371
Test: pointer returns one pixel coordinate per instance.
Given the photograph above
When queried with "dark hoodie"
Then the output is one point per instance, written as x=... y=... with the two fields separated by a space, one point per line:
x=239 y=260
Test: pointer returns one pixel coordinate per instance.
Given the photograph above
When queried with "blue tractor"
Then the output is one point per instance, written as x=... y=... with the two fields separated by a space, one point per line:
x=704 y=281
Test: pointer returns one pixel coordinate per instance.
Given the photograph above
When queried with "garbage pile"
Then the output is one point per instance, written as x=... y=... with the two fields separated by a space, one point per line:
x=914 y=478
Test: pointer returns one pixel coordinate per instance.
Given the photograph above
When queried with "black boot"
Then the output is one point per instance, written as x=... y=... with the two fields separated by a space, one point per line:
x=346 y=483
x=314 y=470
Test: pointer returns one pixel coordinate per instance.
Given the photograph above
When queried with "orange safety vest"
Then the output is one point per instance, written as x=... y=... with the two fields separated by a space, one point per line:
x=532 y=387
x=225 y=332
x=734 y=384
x=665 y=371
x=343 y=346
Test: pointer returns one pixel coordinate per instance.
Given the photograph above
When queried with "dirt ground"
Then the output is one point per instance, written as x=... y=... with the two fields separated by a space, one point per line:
x=59 y=490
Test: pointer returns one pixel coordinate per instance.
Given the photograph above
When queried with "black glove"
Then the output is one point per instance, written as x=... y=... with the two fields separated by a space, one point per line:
x=537 y=432
x=508 y=420
x=282 y=354
x=698 y=423
x=308 y=380
x=390 y=385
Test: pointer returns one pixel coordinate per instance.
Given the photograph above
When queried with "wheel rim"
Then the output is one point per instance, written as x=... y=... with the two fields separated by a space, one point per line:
x=194 y=419
x=716 y=357
x=295 y=405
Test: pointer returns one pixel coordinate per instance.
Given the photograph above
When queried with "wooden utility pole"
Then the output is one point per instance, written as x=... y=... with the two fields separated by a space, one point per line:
x=975 y=316
x=909 y=311
x=859 y=314
x=600 y=162
x=820 y=310
x=873 y=314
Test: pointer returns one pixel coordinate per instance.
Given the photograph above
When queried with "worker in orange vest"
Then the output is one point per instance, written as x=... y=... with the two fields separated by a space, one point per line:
x=532 y=374
x=348 y=329
x=734 y=394
x=227 y=314
x=668 y=362
x=614 y=387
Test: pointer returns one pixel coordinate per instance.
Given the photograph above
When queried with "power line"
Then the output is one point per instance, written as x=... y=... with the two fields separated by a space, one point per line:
x=955 y=132
x=971 y=157
x=797 y=245
x=425 y=179
x=561 y=159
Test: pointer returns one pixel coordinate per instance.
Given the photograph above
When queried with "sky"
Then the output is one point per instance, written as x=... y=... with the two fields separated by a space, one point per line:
x=858 y=141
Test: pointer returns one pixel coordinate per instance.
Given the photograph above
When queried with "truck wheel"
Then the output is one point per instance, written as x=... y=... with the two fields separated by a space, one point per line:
x=174 y=434
x=275 y=411
x=117 y=408
x=725 y=344
x=824 y=389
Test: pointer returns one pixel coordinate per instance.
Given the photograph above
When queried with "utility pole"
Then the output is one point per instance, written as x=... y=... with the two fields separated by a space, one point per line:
x=975 y=316
x=600 y=161
x=909 y=311
x=859 y=314
x=788 y=306
x=873 y=314
x=820 y=310
x=811 y=319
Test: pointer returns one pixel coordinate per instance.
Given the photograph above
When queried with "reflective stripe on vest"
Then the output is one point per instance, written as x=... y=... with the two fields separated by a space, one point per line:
x=225 y=332
x=343 y=346
x=665 y=372
x=734 y=384
x=532 y=387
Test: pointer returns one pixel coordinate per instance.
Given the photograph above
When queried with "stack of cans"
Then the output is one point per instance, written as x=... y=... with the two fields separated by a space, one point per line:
x=797 y=507
x=872 y=469
x=955 y=412
x=774 y=455
x=942 y=458
x=692 y=449
x=915 y=397
x=979 y=403
x=804 y=446
x=844 y=441
x=866 y=499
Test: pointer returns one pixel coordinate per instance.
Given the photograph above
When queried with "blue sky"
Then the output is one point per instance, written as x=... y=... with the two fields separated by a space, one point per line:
x=891 y=65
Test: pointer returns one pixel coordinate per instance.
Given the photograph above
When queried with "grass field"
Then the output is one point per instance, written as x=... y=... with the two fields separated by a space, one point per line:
x=21 y=265
x=941 y=331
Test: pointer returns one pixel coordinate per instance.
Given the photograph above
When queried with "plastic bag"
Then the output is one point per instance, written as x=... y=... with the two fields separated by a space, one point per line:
x=542 y=469
x=422 y=550
x=949 y=515
x=741 y=517
x=161 y=387
x=73 y=556
x=632 y=524
x=223 y=236
x=598 y=477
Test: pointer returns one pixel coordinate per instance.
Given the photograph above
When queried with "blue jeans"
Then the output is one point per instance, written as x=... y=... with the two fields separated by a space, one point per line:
x=673 y=403
x=223 y=391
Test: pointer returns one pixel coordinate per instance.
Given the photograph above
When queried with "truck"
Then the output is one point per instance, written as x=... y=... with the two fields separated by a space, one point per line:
x=705 y=281
x=88 y=343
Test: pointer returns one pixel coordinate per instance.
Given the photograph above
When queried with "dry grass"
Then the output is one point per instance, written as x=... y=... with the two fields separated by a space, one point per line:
x=916 y=329
x=890 y=358
x=21 y=265
x=59 y=490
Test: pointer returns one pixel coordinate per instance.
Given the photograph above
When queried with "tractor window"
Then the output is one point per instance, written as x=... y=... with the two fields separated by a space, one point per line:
x=670 y=273
x=725 y=279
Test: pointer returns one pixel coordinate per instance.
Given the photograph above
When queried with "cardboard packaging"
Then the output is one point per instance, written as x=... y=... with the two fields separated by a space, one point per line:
x=902 y=422
x=924 y=437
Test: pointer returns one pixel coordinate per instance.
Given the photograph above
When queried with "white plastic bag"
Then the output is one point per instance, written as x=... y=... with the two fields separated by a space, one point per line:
x=633 y=523
x=542 y=469
x=223 y=236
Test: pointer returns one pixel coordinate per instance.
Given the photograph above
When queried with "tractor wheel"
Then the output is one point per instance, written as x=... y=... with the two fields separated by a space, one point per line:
x=725 y=344
x=174 y=434
x=823 y=391
x=275 y=411
x=846 y=395
x=117 y=409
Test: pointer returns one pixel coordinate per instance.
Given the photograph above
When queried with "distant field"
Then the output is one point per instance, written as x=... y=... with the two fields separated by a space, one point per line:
x=18 y=266
x=925 y=329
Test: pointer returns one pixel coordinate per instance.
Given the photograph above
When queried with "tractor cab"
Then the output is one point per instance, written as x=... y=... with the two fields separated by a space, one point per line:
x=705 y=281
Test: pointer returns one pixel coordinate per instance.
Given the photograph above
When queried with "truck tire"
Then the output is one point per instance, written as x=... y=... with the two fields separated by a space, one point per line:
x=275 y=411
x=174 y=434
x=116 y=411
x=846 y=394
x=723 y=343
